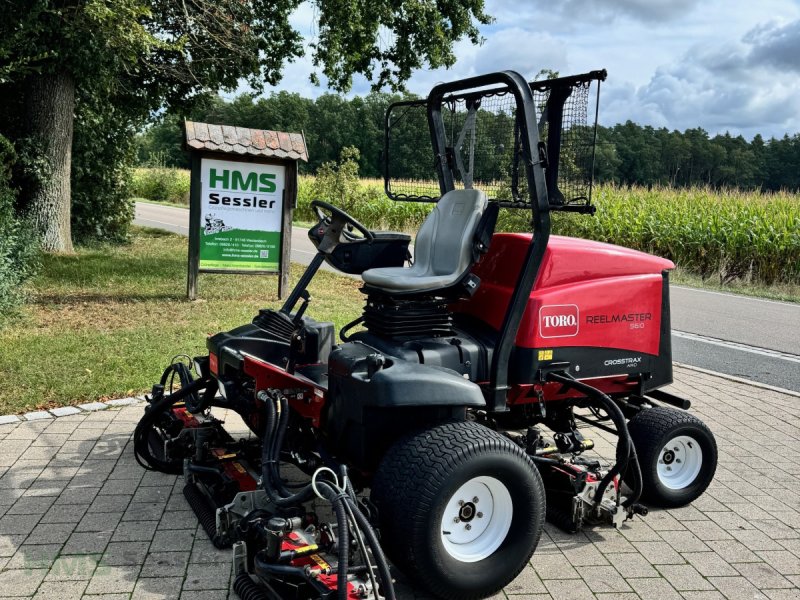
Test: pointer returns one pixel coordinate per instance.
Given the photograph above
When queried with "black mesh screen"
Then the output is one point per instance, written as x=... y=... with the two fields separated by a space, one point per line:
x=487 y=154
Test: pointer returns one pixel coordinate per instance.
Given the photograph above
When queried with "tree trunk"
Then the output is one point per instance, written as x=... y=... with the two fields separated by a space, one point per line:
x=50 y=111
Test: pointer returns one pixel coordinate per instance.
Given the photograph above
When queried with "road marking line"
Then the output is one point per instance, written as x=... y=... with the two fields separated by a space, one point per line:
x=739 y=296
x=737 y=346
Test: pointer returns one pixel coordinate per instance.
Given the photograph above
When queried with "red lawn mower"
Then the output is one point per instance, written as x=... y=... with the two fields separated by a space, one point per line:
x=461 y=397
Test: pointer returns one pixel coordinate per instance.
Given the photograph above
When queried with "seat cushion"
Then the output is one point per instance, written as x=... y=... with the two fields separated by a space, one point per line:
x=402 y=280
x=443 y=248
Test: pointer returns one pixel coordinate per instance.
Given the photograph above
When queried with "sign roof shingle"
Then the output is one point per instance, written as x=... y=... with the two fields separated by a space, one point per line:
x=250 y=142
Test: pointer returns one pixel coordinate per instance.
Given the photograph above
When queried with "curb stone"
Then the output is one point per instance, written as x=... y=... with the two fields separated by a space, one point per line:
x=65 y=411
x=37 y=415
x=93 y=406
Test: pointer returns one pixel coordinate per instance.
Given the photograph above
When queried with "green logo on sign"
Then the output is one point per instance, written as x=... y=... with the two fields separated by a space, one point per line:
x=236 y=180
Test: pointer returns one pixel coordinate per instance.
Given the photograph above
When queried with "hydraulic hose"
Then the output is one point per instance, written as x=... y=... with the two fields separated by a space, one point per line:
x=338 y=500
x=380 y=558
x=342 y=500
x=626 y=453
x=352 y=505
x=270 y=457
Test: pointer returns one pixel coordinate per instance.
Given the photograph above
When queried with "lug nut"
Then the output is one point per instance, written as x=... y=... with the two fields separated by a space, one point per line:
x=677 y=460
x=480 y=515
x=669 y=468
x=475 y=500
x=467 y=526
x=461 y=503
x=676 y=449
x=456 y=520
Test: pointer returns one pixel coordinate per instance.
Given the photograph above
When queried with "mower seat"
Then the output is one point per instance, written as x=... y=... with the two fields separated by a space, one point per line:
x=443 y=251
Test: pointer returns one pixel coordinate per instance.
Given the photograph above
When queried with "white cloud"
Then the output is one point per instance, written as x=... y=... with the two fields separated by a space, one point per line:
x=718 y=64
x=738 y=86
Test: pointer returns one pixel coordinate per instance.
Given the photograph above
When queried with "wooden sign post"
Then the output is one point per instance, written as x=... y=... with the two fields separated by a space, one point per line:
x=241 y=202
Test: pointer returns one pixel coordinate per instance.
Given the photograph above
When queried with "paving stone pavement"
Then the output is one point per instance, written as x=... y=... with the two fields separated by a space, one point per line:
x=80 y=519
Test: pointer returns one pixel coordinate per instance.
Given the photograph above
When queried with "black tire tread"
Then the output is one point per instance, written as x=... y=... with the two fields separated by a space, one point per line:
x=412 y=469
x=646 y=429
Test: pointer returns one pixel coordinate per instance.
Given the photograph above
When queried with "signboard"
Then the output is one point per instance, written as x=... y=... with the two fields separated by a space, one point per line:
x=241 y=201
x=241 y=215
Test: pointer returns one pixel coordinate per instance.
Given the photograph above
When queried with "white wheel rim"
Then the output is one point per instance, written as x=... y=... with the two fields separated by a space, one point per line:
x=679 y=462
x=473 y=530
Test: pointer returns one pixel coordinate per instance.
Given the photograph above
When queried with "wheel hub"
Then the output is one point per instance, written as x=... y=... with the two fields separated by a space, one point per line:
x=476 y=519
x=680 y=462
x=467 y=512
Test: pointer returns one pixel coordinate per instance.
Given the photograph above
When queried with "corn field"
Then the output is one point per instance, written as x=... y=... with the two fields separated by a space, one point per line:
x=725 y=234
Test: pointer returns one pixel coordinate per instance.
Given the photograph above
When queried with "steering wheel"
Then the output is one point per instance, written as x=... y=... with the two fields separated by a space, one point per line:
x=337 y=219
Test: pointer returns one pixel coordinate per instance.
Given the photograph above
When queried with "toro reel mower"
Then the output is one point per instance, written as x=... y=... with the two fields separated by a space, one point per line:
x=451 y=419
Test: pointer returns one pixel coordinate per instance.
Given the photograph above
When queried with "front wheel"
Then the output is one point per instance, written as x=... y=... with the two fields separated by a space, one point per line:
x=461 y=509
x=677 y=453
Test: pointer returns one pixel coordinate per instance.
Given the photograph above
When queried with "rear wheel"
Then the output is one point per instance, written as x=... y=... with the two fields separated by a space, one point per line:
x=461 y=509
x=677 y=453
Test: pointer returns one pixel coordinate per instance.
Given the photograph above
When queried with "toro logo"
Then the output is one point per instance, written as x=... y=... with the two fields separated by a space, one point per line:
x=558 y=320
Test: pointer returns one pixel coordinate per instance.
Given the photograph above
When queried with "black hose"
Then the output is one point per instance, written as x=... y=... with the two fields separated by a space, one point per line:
x=351 y=505
x=377 y=552
x=337 y=500
x=270 y=456
x=193 y=468
x=625 y=454
x=545 y=461
x=343 y=503
x=276 y=569
x=280 y=485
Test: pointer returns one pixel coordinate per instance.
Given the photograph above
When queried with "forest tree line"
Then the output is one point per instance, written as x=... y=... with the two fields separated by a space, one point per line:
x=627 y=153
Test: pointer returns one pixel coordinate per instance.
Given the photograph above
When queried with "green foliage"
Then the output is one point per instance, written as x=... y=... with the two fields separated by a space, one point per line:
x=350 y=37
x=103 y=152
x=19 y=254
x=338 y=183
x=631 y=154
x=627 y=154
x=329 y=123
x=164 y=184
x=162 y=145
x=130 y=59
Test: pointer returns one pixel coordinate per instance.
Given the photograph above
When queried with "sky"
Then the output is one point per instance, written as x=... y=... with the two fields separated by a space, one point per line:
x=722 y=65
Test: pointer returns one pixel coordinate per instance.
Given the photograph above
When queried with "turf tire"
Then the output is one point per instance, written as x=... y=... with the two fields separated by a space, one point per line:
x=411 y=489
x=650 y=431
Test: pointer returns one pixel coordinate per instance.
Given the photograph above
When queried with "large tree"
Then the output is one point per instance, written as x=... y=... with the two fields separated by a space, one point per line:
x=114 y=62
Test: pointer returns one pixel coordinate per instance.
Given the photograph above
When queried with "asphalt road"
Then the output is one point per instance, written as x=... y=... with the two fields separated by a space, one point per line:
x=737 y=335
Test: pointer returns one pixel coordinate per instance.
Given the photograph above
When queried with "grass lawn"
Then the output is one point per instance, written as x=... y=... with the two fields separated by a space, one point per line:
x=104 y=322
x=785 y=292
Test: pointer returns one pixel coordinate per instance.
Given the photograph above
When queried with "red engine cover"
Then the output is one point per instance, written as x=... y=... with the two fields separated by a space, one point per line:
x=587 y=294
